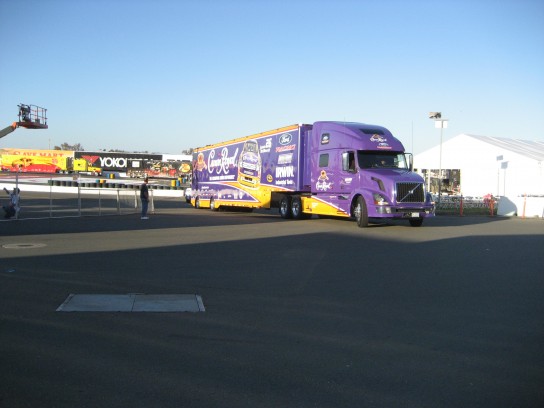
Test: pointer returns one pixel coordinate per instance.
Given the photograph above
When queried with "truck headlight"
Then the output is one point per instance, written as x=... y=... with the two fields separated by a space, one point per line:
x=379 y=199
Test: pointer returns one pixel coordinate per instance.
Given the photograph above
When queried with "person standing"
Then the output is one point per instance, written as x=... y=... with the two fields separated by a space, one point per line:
x=12 y=210
x=144 y=197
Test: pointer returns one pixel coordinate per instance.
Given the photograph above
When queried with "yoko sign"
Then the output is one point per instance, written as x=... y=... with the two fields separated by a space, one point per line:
x=113 y=162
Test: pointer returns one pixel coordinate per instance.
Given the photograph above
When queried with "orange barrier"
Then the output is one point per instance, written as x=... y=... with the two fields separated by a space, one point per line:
x=492 y=208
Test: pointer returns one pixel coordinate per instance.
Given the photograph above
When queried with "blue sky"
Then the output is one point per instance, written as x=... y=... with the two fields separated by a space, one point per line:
x=165 y=75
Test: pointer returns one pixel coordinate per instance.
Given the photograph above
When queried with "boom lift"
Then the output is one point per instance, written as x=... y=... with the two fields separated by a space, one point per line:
x=30 y=117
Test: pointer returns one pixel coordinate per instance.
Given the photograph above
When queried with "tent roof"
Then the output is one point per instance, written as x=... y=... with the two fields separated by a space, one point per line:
x=533 y=150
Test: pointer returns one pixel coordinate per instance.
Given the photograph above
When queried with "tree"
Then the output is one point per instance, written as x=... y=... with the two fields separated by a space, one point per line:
x=66 y=146
x=188 y=151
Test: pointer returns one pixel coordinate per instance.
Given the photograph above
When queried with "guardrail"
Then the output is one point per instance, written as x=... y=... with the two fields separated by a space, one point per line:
x=52 y=201
x=82 y=202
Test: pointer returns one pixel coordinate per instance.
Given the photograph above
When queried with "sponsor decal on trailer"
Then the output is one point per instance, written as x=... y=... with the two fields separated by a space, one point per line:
x=247 y=170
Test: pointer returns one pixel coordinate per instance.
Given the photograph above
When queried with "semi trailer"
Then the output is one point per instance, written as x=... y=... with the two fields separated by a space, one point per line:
x=327 y=168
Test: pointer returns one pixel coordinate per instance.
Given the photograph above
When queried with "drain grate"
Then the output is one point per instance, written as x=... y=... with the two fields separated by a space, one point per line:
x=132 y=302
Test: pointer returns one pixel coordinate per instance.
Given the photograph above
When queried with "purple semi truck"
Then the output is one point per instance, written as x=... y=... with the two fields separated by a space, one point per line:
x=329 y=168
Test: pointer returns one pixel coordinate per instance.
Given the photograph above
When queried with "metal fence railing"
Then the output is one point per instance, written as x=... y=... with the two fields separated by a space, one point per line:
x=456 y=202
x=468 y=205
x=81 y=202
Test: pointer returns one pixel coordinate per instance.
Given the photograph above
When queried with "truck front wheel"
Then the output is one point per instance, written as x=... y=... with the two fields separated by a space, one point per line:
x=285 y=207
x=360 y=212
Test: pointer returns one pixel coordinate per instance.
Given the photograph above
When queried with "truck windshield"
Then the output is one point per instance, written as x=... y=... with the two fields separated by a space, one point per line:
x=394 y=160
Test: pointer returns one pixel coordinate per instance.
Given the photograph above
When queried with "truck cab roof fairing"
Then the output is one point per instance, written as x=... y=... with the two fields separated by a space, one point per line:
x=369 y=137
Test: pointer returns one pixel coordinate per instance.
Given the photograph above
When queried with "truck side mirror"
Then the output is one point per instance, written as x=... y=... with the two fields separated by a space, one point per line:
x=348 y=162
x=345 y=161
x=410 y=161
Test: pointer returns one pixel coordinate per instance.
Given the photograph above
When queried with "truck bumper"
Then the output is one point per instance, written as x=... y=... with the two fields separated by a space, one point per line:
x=401 y=212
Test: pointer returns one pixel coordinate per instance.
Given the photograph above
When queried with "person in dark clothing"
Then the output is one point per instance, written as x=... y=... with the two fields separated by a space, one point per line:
x=12 y=209
x=144 y=197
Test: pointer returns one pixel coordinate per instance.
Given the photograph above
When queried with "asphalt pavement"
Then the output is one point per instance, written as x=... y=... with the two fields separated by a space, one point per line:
x=313 y=313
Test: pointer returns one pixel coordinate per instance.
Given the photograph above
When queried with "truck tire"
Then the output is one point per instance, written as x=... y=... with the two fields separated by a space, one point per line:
x=296 y=208
x=360 y=212
x=416 y=222
x=285 y=207
x=212 y=205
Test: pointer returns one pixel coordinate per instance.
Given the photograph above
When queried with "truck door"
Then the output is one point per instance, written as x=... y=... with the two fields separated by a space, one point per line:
x=348 y=172
x=337 y=172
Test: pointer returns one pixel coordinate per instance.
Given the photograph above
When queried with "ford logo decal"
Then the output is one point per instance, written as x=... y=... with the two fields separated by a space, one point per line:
x=285 y=139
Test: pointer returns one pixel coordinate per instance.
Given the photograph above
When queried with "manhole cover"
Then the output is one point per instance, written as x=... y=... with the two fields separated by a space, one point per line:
x=22 y=246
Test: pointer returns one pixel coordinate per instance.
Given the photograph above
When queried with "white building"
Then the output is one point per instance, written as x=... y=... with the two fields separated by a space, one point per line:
x=489 y=165
x=507 y=168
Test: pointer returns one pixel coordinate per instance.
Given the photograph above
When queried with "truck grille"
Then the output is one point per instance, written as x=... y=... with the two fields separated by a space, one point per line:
x=410 y=193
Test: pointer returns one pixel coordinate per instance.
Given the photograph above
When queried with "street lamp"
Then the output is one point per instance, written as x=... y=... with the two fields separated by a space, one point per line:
x=441 y=124
x=499 y=160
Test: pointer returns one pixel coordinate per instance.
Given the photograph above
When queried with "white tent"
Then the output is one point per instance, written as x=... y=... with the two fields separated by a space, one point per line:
x=490 y=165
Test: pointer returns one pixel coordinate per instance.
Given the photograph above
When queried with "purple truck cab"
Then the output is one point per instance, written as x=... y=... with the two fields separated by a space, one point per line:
x=363 y=172
x=329 y=168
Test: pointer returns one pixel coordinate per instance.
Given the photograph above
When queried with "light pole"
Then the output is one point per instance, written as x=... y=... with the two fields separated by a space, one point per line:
x=504 y=166
x=499 y=160
x=442 y=124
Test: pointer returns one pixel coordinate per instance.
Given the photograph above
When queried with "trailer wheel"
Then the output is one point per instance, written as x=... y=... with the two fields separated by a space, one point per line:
x=212 y=205
x=360 y=212
x=296 y=208
x=416 y=222
x=285 y=207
